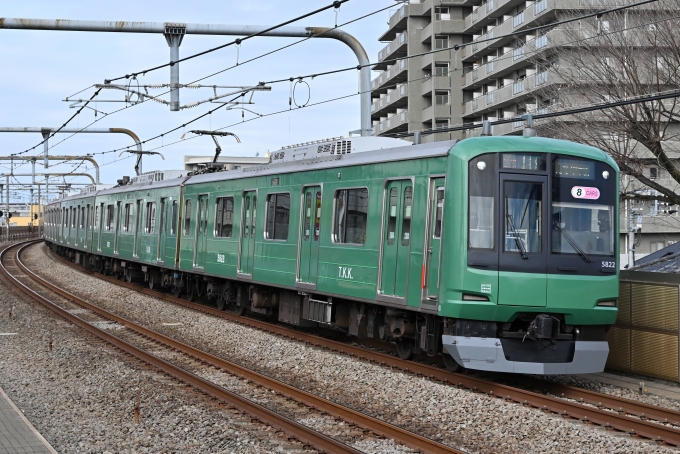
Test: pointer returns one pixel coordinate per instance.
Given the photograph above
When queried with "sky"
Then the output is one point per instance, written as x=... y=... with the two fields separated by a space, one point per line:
x=40 y=69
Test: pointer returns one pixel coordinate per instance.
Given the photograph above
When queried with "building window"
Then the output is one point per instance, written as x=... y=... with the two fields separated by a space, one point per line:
x=351 y=215
x=441 y=98
x=187 y=217
x=441 y=69
x=109 y=217
x=653 y=173
x=441 y=41
x=442 y=13
x=224 y=217
x=150 y=217
x=278 y=216
x=127 y=222
x=173 y=219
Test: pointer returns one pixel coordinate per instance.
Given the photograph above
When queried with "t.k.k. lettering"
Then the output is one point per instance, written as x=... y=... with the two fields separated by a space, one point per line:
x=344 y=272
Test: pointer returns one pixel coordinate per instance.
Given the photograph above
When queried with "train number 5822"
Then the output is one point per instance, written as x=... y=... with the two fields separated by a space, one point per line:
x=606 y=264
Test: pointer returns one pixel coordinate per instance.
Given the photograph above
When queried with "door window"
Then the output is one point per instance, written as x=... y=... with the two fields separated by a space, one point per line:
x=187 y=217
x=150 y=217
x=174 y=218
x=406 y=220
x=438 y=215
x=523 y=216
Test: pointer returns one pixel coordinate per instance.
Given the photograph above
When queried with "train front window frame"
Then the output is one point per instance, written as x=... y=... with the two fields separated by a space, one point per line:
x=482 y=189
x=583 y=207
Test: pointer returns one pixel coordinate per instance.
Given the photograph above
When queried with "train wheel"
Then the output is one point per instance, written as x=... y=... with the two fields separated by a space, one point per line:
x=450 y=363
x=238 y=310
x=405 y=348
x=150 y=282
x=222 y=301
x=128 y=277
x=191 y=291
x=176 y=291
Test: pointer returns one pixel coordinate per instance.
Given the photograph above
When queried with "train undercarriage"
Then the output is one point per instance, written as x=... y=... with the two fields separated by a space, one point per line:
x=537 y=342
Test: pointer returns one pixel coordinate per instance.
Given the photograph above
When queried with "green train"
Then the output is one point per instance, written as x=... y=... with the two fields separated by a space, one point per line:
x=498 y=253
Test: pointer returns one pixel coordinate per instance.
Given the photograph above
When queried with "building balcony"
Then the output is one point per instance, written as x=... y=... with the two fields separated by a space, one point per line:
x=393 y=99
x=436 y=111
x=440 y=27
x=488 y=12
x=397 y=73
x=528 y=18
x=397 y=48
x=513 y=128
x=399 y=20
x=511 y=60
x=435 y=83
x=395 y=123
x=508 y=94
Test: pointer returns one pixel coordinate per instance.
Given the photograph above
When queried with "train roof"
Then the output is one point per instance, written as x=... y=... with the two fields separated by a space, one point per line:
x=435 y=149
x=478 y=145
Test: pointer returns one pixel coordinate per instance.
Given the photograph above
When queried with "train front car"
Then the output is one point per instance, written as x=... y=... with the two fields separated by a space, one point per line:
x=536 y=286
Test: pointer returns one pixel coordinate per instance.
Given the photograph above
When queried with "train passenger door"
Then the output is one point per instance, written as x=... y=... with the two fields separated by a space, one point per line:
x=432 y=258
x=523 y=278
x=248 y=220
x=201 y=231
x=139 y=228
x=396 y=238
x=308 y=255
x=160 y=247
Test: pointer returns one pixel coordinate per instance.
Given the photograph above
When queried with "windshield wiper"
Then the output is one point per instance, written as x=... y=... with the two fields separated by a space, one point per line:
x=573 y=244
x=518 y=240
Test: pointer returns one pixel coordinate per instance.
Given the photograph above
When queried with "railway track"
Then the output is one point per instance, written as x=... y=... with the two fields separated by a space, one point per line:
x=186 y=360
x=614 y=413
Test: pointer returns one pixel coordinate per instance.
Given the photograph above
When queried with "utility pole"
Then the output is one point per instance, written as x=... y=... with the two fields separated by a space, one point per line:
x=634 y=225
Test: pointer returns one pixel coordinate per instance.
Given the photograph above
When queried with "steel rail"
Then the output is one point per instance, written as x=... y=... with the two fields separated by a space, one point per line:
x=303 y=434
x=614 y=420
x=417 y=442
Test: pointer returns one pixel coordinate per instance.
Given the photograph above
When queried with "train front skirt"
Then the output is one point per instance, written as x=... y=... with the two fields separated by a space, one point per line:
x=489 y=354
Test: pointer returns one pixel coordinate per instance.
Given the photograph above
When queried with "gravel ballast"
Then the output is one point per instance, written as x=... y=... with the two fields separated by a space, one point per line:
x=460 y=418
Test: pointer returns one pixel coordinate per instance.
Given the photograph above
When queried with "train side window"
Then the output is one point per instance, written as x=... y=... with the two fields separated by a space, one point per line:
x=127 y=222
x=481 y=203
x=150 y=217
x=278 y=216
x=109 y=217
x=224 y=217
x=173 y=219
x=406 y=221
x=351 y=216
x=187 y=217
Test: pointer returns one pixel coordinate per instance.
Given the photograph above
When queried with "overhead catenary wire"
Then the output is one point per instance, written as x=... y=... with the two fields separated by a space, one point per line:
x=238 y=41
x=315 y=35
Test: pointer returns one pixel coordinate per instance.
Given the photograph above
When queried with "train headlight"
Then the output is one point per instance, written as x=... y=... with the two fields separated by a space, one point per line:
x=608 y=303
x=481 y=165
x=605 y=174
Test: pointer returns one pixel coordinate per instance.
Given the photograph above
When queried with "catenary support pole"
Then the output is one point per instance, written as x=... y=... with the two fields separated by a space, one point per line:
x=174 y=33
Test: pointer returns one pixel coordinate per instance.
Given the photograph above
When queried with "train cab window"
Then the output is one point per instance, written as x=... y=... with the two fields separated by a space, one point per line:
x=406 y=219
x=439 y=213
x=109 y=217
x=173 y=219
x=187 y=217
x=150 y=226
x=224 y=217
x=351 y=216
x=127 y=223
x=481 y=203
x=523 y=216
x=583 y=207
x=278 y=216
